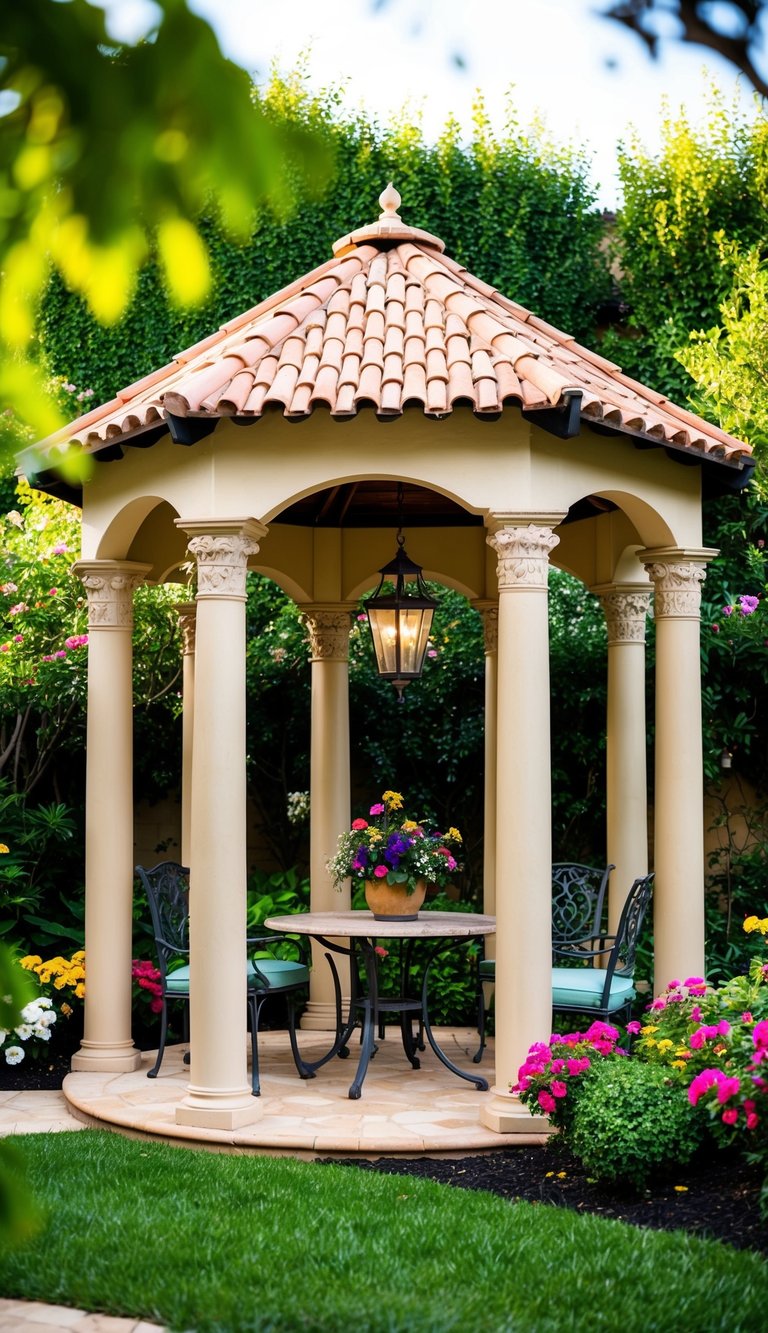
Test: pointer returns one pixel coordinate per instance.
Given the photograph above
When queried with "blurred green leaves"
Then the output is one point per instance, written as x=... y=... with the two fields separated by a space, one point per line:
x=108 y=153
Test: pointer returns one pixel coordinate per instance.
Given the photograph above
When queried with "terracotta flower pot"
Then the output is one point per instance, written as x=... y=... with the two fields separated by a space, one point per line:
x=393 y=902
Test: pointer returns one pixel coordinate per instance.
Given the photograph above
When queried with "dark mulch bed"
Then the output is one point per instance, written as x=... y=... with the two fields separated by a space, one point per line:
x=716 y=1196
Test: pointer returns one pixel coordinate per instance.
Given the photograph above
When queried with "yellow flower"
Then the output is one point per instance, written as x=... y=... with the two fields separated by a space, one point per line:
x=679 y=1064
x=681 y=1189
x=650 y=1041
x=649 y=1028
x=60 y=982
x=393 y=800
x=3 y=848
x=684 y=1052
x=666 y=1044
x=754 y=923
x=408 y=825
x=453 y=834
x=66 y=1009
x=31 y=962
x=80 y=991
x=374 y=834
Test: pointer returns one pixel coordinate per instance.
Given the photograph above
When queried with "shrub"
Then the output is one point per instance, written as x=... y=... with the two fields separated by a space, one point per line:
x=632 y=1120
x=555 y=1072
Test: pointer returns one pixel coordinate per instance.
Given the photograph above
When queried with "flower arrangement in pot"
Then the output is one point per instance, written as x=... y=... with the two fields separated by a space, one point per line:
x=396 y=858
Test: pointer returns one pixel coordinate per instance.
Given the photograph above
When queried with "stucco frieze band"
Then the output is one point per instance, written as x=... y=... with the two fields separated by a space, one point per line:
x=221 y=550
x=109 y=586
x=625 y=614
x=328 y=632
x=523 y=556
x=677 y=577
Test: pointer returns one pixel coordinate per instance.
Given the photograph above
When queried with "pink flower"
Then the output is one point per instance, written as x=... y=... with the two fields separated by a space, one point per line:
x=673 y=985
x=79 y=641
x=61 y=653
x=601 y=1030
x=557 y=1066
x=696 y=1014
x=52 y=592
x=702 y=1083
x=358 y=824
x=5 y=648
x=728 y=610
x=760 y=1035
x=380 y=872
x=376 y=809
x=18 y=638
x=60 y=549
x=432 y=652
x=634 y=1027
x=362 y=616
x=730 y=1116
x=715 y=629
x=727 y=1088
x=578 y=1066
x=559 y=1089
x=752 y=1120
x=658 y=1004
x=746 y=1017
x=694 y=981
x=546 y=1102
x=380 y=951
x=748 y=605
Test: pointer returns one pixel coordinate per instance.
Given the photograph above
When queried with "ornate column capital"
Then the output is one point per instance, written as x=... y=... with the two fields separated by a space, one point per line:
x=187 y=613
x=523 y=555
x=625 y=607
x=488 y=612
x=109 y=585
x=221 y=548
x=328 y=626
x=677 y=575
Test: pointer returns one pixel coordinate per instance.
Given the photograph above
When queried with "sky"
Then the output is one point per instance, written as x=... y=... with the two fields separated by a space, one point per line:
x=591 y=81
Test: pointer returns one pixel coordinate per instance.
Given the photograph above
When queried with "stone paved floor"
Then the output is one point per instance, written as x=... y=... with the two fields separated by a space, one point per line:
x=34 y=1317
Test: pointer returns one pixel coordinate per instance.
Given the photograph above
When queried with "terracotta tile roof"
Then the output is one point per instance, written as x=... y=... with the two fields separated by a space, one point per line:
x=391 y=322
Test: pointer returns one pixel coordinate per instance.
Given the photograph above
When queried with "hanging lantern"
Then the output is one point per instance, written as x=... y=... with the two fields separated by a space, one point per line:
x=400 y=618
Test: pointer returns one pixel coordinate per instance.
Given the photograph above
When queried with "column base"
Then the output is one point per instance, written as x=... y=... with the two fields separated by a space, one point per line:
x=320 y=1015
x=115 y=1058
x=505 y=1114
x=208 y=1111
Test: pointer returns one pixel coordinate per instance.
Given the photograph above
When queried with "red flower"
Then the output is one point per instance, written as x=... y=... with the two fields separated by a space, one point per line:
x=359 y=824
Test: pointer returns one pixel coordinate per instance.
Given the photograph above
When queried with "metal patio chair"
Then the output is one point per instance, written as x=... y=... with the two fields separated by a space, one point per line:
x=599 y=982
x=578 y=908
x=167 y=889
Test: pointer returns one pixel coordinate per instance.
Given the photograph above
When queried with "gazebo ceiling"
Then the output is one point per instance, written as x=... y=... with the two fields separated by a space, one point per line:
x=391 y=323
x=365 y=504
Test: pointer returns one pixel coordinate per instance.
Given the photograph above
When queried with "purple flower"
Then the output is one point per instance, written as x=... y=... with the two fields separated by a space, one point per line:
x=748 y=605
x=728 y=610
x=376 y=809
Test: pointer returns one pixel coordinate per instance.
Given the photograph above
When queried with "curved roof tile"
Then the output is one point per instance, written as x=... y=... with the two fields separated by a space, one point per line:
x=392 y=322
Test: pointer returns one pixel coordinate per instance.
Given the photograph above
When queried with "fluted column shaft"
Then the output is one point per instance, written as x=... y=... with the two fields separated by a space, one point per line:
x=489 y=614
x=187 y=613
x=523 y=810
x=626 y=798
x=107 y=1043
x=327 y=628
x=677 y=577
x=218 y=1096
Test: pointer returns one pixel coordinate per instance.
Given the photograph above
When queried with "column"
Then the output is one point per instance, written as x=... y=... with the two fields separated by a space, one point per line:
x=187 y=613
x=678 y=913
x=107 y=1043
x=489 y=614
x=328 y=628
x=219 y=1093
x=626 y=797
x=523 y=811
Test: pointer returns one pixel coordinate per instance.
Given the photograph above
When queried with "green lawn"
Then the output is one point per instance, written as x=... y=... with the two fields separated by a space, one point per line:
x=223 y=1244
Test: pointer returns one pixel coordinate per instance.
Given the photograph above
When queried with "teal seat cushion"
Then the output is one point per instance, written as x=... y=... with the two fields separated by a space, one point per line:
x=488 y=969
x=582 y=988
x=279 y=972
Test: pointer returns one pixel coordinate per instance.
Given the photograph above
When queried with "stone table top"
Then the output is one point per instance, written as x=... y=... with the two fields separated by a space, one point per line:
x=363 y=925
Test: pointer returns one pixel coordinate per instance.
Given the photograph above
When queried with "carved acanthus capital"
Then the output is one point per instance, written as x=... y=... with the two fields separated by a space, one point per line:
x=221 y=549
x=187 y=613
x=523 y=556
x=677 y=588
x=328 y=632
x=625 y=614
x=109 y=585
x=489 y=614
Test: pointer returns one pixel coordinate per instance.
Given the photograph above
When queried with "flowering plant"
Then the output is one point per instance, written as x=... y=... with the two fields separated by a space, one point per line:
x=394 y=849
x=553 y=1070
x=37 y=1019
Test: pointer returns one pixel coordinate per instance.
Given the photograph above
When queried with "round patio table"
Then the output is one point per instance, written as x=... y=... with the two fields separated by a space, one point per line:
x=431 y=935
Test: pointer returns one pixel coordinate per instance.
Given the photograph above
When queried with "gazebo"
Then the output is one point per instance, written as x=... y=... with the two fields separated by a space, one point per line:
x=262 y=447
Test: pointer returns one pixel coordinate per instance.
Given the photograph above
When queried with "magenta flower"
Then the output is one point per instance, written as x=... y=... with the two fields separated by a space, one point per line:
x=546 y=1102
x=61 y=549
x=634 y=1027
x=730 y=1116
x=559 y=1089
x=728 y=610
x=727 y=1088
x=18 y=638
x=381 y=872
x=52 y=592
x=376 y=809
x=752 y=1120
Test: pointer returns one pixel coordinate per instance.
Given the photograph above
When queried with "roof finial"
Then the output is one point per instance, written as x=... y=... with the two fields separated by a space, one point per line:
x=390 y=202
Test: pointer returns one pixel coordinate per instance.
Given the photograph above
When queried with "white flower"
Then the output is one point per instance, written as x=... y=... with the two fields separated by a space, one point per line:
x=44 y=1033
x=47 y=1019
x=24 y=1031
x=3 y=1035
x=14 y=1055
